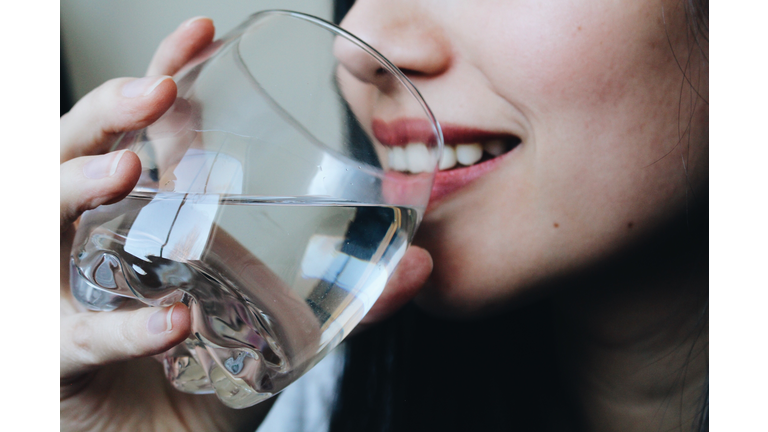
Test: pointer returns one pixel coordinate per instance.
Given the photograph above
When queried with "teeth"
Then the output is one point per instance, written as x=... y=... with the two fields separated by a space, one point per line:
x=468 y=154
x=399 y=161
x=448 y=160
x=418 y=157
x=494 y=147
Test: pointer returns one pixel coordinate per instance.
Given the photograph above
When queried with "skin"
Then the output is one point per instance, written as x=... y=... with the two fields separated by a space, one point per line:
x=614 y=150
x=614 y=147
x=593 y=92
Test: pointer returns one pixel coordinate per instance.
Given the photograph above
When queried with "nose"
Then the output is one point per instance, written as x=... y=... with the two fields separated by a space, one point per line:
x=400 y=31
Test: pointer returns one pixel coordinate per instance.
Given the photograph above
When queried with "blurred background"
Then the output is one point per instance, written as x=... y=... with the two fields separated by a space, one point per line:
x=102 y=40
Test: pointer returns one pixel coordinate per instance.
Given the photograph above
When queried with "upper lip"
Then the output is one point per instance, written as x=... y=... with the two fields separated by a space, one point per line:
x=403 y=131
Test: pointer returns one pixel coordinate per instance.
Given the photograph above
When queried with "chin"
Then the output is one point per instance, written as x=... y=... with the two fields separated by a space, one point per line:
x=471 y=280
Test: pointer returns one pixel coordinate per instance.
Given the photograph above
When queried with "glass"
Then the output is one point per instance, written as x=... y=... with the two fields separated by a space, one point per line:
x=276 y=197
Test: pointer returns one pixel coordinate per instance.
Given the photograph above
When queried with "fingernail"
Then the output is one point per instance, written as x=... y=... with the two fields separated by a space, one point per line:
x=190 y=21
x=160 y=321
x=142 y=86
x=103 y=166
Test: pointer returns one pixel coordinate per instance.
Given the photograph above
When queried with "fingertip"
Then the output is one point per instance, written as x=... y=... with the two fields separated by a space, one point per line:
x=163 y=328
x=117 y=106
x=158 y=96
x=165 y=95
x=414 y=269
x=91 y=181
x=182 y=46
x=181 y=319
x=198 y=33
x=132 y=88
x=420 y=258
x=168 y=326
x=129 y=161
x=194 y=43
x=89 y=340
x=181 y=325
x=412 y=273
x=199 y=24
x=125 y=104
x=125 y=177
x=165 y=86
x=163 y=90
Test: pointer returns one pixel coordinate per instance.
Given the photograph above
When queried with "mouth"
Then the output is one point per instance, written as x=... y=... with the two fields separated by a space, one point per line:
x=468 y=154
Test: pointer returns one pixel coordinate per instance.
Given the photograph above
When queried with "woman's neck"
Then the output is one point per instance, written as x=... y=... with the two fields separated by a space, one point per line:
x=634 y=340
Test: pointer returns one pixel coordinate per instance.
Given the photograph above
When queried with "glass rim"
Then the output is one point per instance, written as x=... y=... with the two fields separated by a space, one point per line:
x=394 y=70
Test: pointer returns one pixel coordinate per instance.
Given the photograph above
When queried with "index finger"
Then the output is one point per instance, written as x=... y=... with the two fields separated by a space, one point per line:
x=181 y=46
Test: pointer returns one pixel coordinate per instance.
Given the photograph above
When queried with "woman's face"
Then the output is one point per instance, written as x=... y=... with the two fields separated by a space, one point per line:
x=613 y=141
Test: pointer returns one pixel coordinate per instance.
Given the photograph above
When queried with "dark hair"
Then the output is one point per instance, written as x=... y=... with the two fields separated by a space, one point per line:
x=697 y=15
x=697 y=12
x=416 y=372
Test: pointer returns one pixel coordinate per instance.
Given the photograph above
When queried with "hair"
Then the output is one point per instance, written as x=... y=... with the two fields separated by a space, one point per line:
x=417 y=372
x=414 y=372
x=697 y=12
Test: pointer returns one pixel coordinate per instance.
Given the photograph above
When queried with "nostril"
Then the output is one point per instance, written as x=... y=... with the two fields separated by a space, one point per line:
x=409 y=72
x=357 y=62
x=412 y=72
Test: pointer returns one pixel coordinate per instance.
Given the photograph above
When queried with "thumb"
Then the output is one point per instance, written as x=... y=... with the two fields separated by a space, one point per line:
x=93 y=339
x=90 y=181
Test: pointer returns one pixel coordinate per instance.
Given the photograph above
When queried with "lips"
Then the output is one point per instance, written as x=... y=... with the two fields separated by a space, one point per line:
x=469 y=153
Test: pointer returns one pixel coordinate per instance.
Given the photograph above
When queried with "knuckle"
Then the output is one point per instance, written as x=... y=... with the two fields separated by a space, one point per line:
x=105 y=107
x=141 y=116
x=160 y=52
x=165 y=44
x=84 y=199
x=81 y=335
x=94 y=97
x=96 y=110
x=126 y=337
x=102 y=95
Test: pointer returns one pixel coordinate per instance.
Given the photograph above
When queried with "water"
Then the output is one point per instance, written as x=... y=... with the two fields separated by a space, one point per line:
x=272 y=283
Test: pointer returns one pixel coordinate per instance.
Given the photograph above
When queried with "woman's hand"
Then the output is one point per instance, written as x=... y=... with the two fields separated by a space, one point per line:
x=107 y=380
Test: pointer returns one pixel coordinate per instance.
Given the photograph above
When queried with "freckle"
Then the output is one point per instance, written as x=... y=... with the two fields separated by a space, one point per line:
x=556 y=225
x=579 y=28
x=630 y=225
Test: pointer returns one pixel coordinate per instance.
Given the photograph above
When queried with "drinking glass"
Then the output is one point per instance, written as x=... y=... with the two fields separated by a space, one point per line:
x=276 y=197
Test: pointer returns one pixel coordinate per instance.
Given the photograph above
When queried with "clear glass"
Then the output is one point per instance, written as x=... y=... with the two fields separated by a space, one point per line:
x=276 y=197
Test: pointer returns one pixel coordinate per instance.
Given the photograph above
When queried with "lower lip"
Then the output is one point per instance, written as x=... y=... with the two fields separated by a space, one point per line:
x=448 y=182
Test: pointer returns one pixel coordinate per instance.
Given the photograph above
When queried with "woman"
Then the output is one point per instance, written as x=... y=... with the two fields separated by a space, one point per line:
x=575 y=259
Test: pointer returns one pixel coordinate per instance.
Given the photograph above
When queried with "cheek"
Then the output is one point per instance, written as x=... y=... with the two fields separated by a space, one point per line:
x=603 y=165
x=550 y=57
x=600 y=91
x=568 y=49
